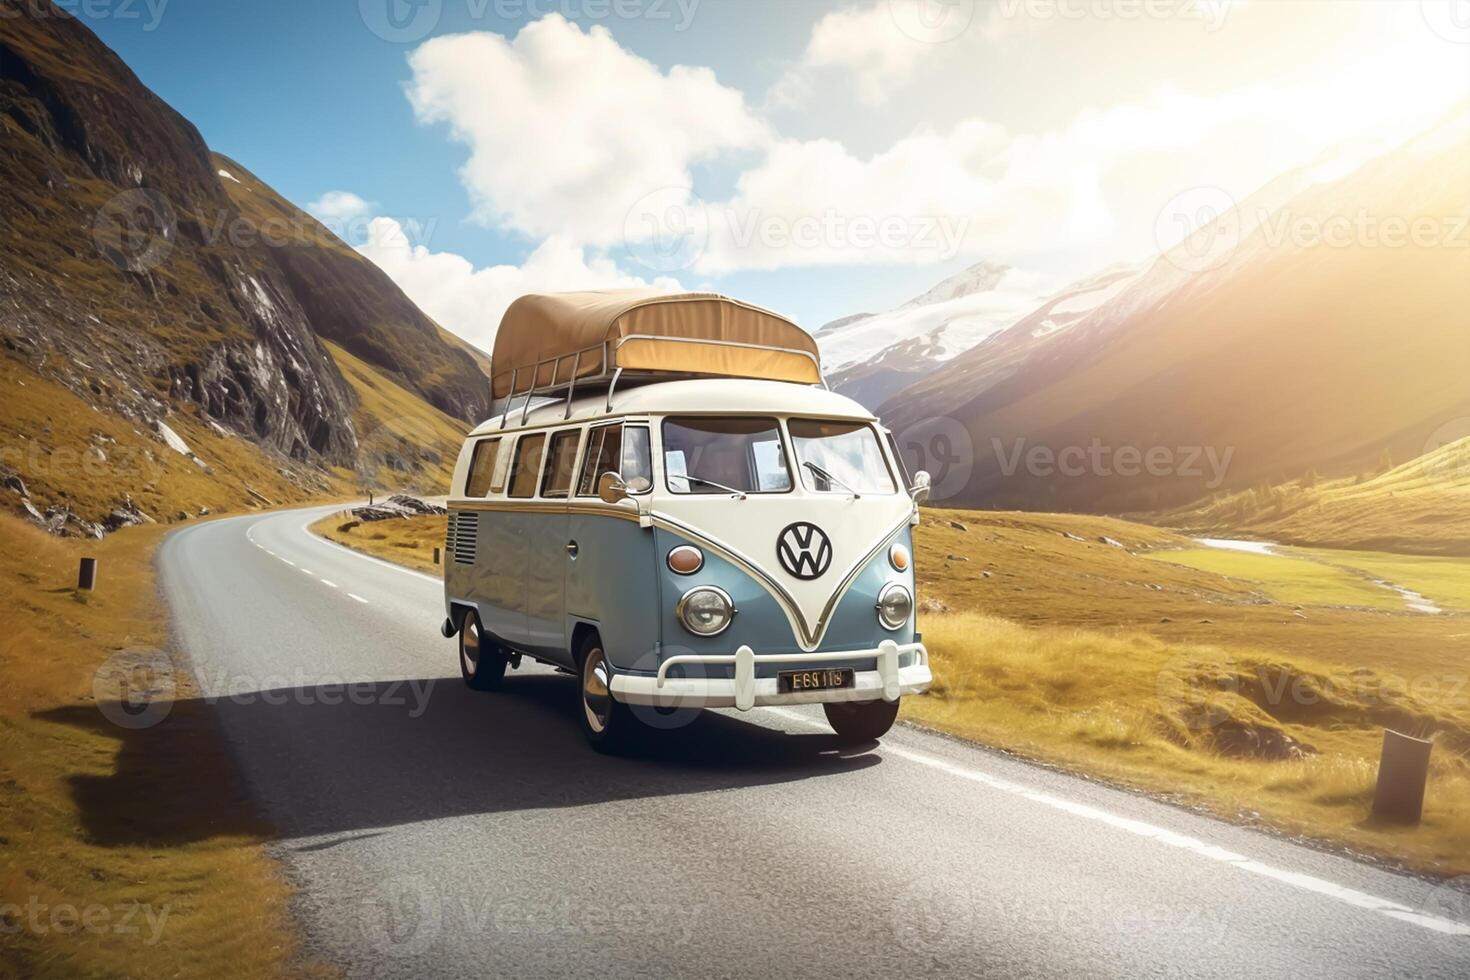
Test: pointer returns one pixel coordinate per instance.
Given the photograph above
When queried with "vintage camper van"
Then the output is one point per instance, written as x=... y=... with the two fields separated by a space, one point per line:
x=671 y=506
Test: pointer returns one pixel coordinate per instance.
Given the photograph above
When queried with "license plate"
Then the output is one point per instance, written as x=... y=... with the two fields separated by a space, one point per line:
x=814 y=680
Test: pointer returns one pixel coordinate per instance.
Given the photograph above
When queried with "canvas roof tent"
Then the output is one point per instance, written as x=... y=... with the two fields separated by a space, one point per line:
x=560 y=337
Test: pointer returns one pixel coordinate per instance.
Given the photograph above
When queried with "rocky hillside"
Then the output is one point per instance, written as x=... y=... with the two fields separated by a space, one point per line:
x=351 y=302
x=138 y=274
x=1306 y=330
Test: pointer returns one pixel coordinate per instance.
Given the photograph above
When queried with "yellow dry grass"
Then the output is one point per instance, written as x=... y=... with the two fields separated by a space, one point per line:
x=404 y=442
x=408 y=541
x=1145 y=712
x=1072 y=643
x=69 y=454
x=1421 y=507
x=123 y=851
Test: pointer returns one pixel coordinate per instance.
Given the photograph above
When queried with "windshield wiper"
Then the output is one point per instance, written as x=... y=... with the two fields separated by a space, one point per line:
x=831 y=479
x=739 y=494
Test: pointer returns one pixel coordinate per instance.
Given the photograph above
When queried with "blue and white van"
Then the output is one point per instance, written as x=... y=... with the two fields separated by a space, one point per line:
x=678 y=536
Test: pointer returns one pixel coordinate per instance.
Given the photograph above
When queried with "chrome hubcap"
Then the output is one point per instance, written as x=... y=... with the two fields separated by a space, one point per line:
x=596 y=700
x=469 y=646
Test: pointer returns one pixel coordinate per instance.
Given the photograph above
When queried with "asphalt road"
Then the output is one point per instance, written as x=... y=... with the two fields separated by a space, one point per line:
x=432 y=830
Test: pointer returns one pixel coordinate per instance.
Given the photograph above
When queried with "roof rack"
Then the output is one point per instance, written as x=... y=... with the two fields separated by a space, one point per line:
x=559 y=342
x=611 y=378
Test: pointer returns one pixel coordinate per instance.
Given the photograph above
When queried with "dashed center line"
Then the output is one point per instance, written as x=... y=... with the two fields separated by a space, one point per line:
x=358 y=598
x=330 y=585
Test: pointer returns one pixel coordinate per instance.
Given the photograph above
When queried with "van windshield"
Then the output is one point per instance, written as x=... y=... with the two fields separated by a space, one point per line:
x=839 y=457
x=719 y=455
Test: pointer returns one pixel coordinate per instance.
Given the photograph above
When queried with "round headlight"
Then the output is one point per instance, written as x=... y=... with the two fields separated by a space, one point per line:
x=686 y=559
x=898 y=557
x=705 y=611
x=895 y=606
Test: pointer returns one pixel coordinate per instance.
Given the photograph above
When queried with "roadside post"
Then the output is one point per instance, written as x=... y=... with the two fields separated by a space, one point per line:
x=87 y=575
x=1403 y=772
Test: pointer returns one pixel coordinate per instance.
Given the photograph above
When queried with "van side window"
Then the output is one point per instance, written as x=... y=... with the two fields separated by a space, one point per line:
x=625 y=451
x=482 y=467
x=637 y=459
x=903 y=468
x=527 y=465
x=604 y=450
x=561 y=464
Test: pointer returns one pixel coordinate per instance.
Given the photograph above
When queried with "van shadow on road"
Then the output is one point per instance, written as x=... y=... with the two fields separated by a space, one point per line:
x=328 y=759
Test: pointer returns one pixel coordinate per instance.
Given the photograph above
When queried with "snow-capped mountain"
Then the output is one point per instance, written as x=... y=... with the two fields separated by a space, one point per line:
x=870 y=357
x=1295 y=332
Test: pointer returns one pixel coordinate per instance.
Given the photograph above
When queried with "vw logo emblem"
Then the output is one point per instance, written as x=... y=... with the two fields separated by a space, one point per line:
x=804 y=550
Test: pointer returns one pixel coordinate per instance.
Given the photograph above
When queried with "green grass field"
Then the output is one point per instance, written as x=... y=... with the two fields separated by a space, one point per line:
x=1444 y=581
x=1293 y=580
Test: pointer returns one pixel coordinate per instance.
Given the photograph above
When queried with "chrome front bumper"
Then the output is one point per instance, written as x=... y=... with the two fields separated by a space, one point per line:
x=887 y=680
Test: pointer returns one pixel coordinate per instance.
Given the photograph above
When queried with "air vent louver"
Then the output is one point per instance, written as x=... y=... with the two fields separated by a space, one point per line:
x=464 y=530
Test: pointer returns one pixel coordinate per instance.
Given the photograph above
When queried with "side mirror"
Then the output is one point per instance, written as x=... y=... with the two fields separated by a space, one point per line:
x=611 y=488
x=920 y=490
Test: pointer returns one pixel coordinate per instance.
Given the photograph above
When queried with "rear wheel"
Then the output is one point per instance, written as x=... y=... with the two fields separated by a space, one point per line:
x=481 y=660
x=861 y=721
x=607 y=723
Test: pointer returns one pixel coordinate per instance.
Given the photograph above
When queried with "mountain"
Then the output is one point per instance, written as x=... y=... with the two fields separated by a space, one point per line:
x=1419 y=507
x=158 y=284
x=351 y=302
x=1321 y=325
x=946 y=321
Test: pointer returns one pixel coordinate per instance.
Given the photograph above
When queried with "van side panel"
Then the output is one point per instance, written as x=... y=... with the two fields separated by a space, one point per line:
x=545 y=570
x=613 y=585
x=498 y=585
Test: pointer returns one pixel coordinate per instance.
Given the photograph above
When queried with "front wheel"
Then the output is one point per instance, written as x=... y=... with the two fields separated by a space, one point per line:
x=606 y=722
x=481 y=660
x=861 y=721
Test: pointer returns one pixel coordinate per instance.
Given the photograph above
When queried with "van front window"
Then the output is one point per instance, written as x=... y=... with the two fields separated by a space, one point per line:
x=839 y=457
x=720 y=455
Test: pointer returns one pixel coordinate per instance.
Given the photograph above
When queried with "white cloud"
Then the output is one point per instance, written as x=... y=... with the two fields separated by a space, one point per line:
x=567 y=130
x=926 y=199
x=339 y=208
x=470 y=301
x=867 y=42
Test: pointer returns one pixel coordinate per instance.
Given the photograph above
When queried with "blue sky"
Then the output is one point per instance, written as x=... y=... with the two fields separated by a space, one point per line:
x=509 y=138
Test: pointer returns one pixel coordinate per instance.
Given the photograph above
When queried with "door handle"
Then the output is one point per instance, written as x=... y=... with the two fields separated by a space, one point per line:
x=572 y=550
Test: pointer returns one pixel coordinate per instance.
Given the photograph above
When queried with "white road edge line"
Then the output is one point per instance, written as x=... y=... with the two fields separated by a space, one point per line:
x=1139 y=828
x=1162 y=835
x=358 y=554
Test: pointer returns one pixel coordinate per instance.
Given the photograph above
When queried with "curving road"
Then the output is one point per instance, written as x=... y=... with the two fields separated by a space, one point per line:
x=431 y=830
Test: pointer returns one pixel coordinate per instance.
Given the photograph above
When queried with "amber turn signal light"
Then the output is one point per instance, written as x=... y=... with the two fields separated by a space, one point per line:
x=686 y=559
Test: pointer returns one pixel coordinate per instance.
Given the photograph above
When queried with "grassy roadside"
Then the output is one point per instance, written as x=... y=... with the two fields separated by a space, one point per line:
x=124 y=850
x=1189 y=722
x=1258 y=690
x=409 y=541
